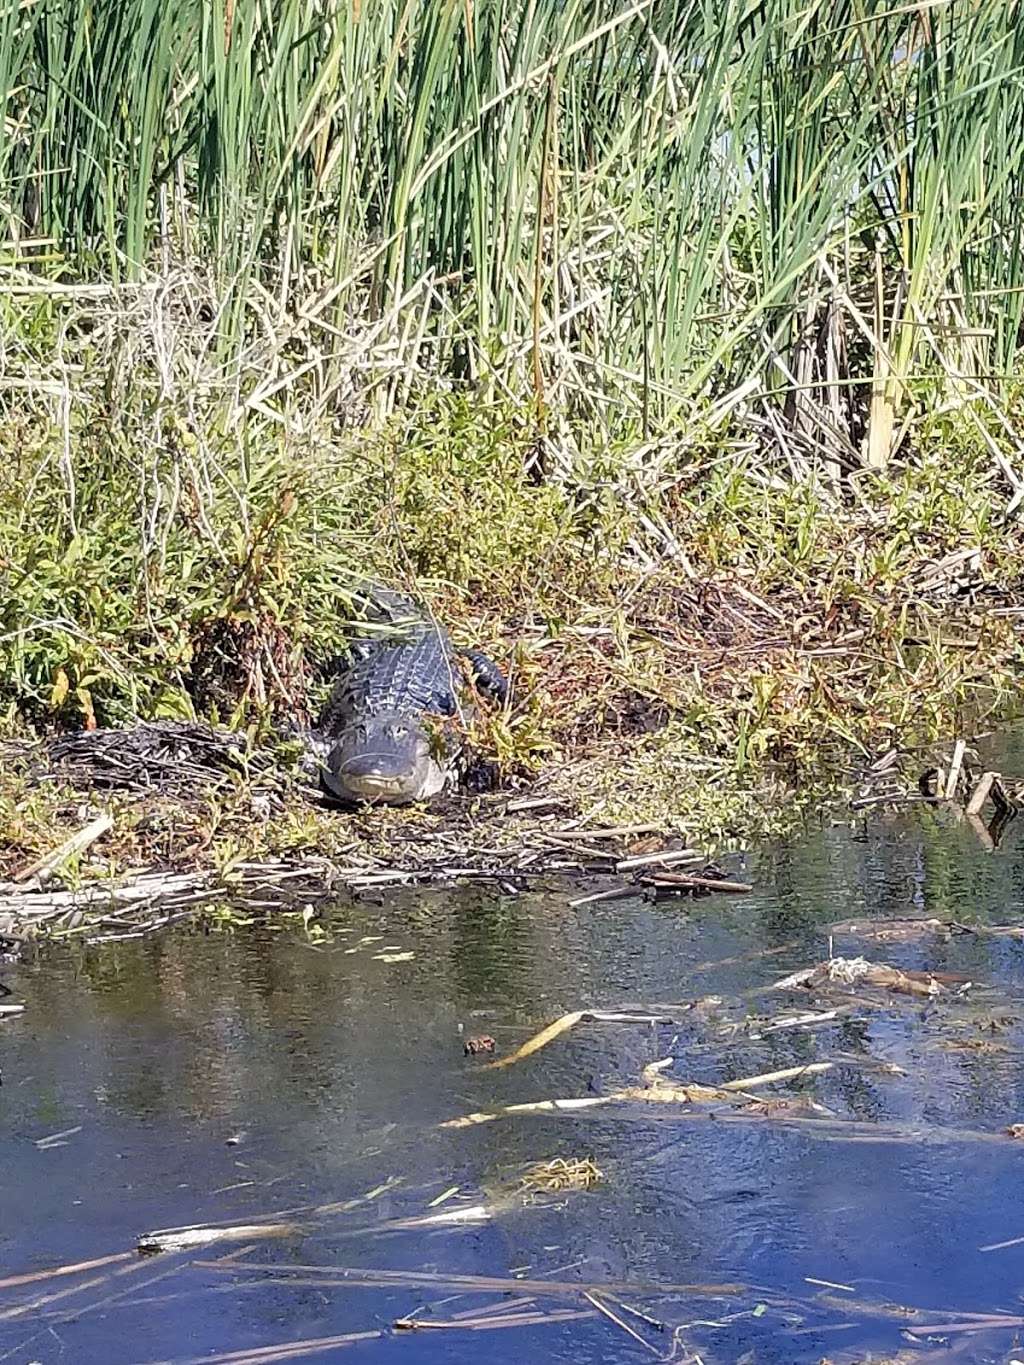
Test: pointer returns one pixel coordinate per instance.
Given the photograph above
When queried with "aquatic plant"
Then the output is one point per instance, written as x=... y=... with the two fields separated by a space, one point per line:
x=637 y=216
x=667 y=347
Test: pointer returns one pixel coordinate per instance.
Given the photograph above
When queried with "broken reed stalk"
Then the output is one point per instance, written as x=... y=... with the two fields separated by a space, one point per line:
x=569 y=1021
x=822 y=1128
x=417 y=1279
x=614 y=831
x=190 y=1239
x=503 y=1306
x=623 y=1326
x=484 y=1322
x=615 y=893
x=47 y=1301
x=667 y=881
x=56 y=1272
x=789 y=1073
x=953 y=778
x=43 y=868
x=683 y=855
x=273 y=1355
x=981 y=833
x=981 y=793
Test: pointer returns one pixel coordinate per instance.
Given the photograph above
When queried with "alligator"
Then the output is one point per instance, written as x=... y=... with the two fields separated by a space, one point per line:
x=389 y=732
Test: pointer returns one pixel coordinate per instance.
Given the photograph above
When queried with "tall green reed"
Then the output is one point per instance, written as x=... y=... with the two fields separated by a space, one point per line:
x=627 y=209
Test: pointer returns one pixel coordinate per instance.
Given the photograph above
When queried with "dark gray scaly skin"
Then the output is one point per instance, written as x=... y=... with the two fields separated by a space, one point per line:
x=379 y=731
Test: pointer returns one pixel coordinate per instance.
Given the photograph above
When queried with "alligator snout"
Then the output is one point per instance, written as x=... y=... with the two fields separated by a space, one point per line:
x=384 y=760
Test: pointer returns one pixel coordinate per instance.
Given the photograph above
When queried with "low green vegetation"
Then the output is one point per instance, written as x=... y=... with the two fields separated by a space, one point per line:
x=715 y=684
x=670 y=351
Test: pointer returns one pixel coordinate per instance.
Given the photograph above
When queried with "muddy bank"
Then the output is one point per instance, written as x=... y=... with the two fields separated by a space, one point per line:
x=144 y=853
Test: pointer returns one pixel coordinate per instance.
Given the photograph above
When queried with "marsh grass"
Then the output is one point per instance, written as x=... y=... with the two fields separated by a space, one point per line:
x=718 y=681
x=667 y=349
x=628 y=215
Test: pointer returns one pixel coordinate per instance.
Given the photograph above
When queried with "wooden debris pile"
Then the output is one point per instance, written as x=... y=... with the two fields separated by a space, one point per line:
x=140 y=905
x=857 y=972
x=953 y=782
x=508 y=856
x=175 y=758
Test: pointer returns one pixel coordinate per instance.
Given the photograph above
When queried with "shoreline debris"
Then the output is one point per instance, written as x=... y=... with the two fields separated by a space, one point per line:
x=957 y=788
x=111 y=909
x=667 y=884
x=472 y=1047
x=654 y=1089
x=842 y=971
x=190 y=1239
x=42 y=869
x=565 y=1022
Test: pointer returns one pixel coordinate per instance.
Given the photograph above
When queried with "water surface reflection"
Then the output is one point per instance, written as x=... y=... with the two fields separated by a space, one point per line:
x=201 y=1078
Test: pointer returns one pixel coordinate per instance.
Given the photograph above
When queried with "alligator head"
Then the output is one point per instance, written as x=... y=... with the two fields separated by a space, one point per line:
x=386 y=757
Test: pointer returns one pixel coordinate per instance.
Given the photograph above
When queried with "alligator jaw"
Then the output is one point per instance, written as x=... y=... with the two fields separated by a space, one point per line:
x=372 y=789
x=381 y=789
x=369 y=789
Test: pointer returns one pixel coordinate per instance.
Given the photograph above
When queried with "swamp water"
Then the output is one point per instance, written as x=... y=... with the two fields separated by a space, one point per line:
x=221 y=1078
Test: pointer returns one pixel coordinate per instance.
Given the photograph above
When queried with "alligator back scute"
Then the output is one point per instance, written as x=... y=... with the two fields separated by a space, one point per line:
x=411 y=674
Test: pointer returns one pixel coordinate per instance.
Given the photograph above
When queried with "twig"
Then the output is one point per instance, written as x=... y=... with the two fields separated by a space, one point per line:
x=978 y=1324
x=568 y=1021
x=887 y=798
x=614 y=1317
x=58 y=1295
x=539 y=1040
x=800 y=1021
x=684 y=855
x=595 y=854
x=1001 y=1246
x=57 y=1139
x=503 y=1307
x=616 y=893
x=821 y=1127
x=75 y=1268
x=981 y=792
x=668 y=881
x=613 y=831
x=982 y=835
x=772 y=1077
x=363 y=1275
x=491 y=1322
x=152 y=1242
x=959 y=749
x=270 y=1355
